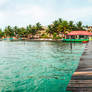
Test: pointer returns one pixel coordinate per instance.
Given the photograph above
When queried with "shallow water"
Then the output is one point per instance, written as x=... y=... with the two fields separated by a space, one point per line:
x=37 y=66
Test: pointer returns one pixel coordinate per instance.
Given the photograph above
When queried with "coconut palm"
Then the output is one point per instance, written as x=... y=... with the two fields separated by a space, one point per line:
x=60 y=20
x=22 y=32
x=15 y=29
x=50 y=29
x=1 y=33
x=9 y=31
x=38 y=26
x=29 y=29
x=64 y=26
x=79 y=25
x=32 y=29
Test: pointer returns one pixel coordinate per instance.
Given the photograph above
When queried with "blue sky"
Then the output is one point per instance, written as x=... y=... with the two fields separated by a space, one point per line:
x=24 y=12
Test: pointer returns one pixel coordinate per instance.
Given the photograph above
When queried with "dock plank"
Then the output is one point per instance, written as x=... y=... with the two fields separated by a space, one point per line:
x=81 y=80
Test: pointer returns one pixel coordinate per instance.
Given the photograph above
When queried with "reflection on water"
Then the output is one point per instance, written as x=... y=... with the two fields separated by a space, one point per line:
x=37 y=66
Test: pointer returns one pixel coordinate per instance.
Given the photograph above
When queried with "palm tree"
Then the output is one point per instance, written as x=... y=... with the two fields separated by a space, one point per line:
x=29 y=29
x=38 y=26
x=55 y=23
x=33 y=31
x=79 y=25
x=1 y=33
x=23 y=32
x=15 y=29
x=50 y=29
x=72 y=26
x=64 y=26
x=60 y=20
x=9 y=31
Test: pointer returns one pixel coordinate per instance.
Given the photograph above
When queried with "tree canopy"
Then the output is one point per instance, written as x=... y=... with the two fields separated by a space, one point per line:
x=57 y=27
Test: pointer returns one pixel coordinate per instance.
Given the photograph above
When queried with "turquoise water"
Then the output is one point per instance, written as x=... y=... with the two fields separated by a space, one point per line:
x=37 y=66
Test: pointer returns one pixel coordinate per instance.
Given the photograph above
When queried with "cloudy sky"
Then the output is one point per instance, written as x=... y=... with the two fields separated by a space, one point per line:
x=23 y=12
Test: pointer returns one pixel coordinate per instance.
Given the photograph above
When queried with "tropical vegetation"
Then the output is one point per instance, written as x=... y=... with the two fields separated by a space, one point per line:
x=54 y=30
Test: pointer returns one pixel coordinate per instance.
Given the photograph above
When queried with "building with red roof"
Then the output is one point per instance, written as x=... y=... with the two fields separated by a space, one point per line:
x=80 y=33
x=78 y=36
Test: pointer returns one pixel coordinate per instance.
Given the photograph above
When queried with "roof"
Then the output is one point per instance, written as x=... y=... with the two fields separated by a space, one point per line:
x=79 y=33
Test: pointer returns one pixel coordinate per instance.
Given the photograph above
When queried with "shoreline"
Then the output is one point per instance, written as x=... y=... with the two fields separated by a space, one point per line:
x=81 y=80
x=33 y=40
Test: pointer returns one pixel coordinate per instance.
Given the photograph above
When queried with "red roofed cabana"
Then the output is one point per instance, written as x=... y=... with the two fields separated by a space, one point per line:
x=78 y=36
x=80 y=33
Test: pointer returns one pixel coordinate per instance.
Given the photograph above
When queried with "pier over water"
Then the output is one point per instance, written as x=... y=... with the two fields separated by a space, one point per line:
x=81 y=80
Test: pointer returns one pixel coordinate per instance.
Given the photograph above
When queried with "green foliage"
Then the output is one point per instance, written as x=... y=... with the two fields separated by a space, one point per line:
x=54 y=35
x=9 y=31
x=58 y=37
x=20 y=32
x=79 y=25
x=38 y=26
x=63 y=26
x=44 y=36
x=57 y=27
x=1 y=33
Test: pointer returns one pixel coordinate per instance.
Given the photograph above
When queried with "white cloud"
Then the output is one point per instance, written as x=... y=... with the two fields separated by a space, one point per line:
x=34 y=11
x=2 y=2
x=22 y=14
x=90 y=1
x=77 y=14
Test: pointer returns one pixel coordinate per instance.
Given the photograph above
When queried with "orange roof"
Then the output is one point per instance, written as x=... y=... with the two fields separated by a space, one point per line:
x=79 y=33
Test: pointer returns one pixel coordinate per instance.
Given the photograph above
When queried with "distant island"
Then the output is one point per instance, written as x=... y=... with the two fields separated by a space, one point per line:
x=56 y=30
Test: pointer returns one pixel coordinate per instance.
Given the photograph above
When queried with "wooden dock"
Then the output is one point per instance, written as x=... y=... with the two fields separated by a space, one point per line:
x=81 y=80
